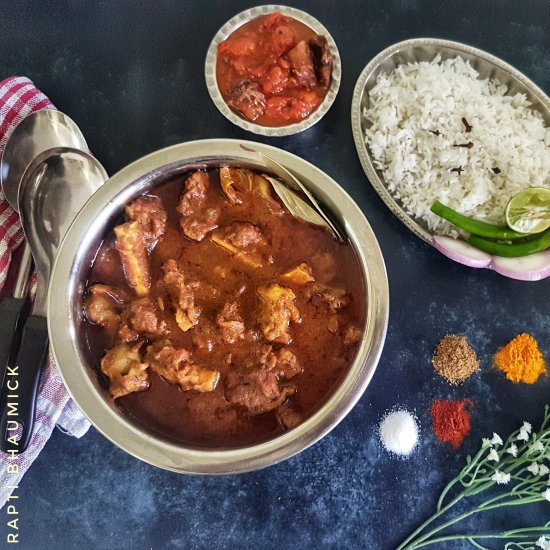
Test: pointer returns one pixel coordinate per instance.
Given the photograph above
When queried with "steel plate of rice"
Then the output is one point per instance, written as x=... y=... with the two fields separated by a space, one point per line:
x=440 y=132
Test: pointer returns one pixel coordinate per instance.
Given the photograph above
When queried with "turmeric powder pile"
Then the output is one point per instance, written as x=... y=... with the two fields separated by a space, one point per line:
x=521 y=359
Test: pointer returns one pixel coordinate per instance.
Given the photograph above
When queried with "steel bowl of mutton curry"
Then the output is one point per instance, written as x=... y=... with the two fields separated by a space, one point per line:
x=205 y=327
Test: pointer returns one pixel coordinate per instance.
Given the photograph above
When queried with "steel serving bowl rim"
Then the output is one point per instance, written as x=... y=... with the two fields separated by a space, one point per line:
x=374 y=176
x=236 y=22
x=110 y=198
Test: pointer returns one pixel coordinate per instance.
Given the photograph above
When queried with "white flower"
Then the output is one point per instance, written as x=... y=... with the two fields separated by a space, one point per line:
x=485 y=442
x=496 y=439
x=543 y=470
x=513 y=450
x=533 y=468
x=500 y=477
x=546 y=494
x=523 y=435
x=526 y=427
x=493 y=455
x=537 y=446
x=543 y=543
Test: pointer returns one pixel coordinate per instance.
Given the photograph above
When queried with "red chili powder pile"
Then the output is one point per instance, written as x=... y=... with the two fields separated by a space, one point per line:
x=451 y=420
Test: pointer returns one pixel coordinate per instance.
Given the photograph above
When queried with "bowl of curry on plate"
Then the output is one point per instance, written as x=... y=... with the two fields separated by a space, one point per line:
x=273 y=70
x=211 y=330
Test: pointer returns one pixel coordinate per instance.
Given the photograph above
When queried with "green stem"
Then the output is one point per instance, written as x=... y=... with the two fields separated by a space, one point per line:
x=518 y=502
x=477 y=545
x=459 y=479
x=522 y=534
x=494 y=499
x=481 y=508
x=430 y=520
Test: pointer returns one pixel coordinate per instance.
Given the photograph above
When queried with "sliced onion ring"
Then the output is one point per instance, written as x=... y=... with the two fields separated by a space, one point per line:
x=461 y=252
x=529 y=268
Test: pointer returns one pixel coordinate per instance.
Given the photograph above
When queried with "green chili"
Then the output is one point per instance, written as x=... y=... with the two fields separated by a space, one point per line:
x=515 y=250
x=475 y=227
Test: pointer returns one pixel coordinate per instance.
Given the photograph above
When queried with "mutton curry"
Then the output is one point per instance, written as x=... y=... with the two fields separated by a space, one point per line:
x=215 y=317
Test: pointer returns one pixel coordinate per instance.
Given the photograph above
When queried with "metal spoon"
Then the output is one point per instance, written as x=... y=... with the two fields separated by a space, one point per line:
x=35 y=134
x=53 y=190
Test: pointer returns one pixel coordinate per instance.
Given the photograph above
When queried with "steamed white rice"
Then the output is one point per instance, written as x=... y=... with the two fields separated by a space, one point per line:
x=408 y=105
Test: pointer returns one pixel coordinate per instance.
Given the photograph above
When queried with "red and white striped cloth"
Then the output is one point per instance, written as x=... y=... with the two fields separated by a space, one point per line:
x=18 y=98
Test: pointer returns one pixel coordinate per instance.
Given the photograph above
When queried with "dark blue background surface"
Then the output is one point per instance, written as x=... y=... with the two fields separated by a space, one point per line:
x=131 y=75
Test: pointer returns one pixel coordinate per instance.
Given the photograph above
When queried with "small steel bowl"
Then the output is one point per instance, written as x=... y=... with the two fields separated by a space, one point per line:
x=68 y=282
x=212 y=83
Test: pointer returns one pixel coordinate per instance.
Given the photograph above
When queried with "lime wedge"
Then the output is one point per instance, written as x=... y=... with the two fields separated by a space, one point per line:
x=529 y=210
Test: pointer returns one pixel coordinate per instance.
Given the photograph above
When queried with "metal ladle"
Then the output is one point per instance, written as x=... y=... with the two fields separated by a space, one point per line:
x=53 y=190
x=35 y=134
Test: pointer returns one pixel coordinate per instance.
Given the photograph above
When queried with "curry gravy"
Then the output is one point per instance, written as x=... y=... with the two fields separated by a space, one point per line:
x=208 y=419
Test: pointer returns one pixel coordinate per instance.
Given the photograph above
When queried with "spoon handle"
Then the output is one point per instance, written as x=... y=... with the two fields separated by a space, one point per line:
x=12 y=313
x=20 y=389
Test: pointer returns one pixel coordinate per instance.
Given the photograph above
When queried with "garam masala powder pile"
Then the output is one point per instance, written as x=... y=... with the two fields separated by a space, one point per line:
x=454 y=359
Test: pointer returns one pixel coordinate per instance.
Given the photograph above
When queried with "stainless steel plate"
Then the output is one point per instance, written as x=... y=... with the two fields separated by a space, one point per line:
x=236 y=22
x=425 y=49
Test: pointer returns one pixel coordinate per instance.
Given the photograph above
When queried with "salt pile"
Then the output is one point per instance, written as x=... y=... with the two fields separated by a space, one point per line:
x=399 y=432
